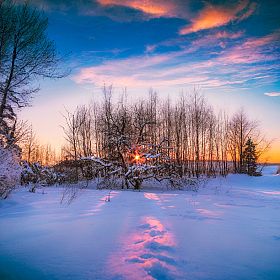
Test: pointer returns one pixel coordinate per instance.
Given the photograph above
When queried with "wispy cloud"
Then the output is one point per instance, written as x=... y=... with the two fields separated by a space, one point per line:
x=230 y=68
x=226 y=35
x=265 y=40
x=272 y=93
x=129 y=71
x=215 y=16
x=157 y=8
x=150 y=48
x=253 y=50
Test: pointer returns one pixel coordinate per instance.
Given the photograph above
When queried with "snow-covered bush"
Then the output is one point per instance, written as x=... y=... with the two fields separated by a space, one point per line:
x=35 y=173
x=10 y=171
x=27 y=174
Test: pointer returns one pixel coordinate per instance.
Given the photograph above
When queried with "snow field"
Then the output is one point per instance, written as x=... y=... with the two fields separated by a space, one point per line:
x=230 y=229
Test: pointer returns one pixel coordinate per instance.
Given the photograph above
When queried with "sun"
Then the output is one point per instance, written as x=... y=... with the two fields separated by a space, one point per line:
x=137 y=157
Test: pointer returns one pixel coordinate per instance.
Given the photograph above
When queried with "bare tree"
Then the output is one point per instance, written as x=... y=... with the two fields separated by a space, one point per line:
x=71 y=135
x=29 y=145
x=26 y=54
x=134 y=141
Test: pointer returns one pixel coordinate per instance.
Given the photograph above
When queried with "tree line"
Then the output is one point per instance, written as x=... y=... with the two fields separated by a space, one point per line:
x=197 y=140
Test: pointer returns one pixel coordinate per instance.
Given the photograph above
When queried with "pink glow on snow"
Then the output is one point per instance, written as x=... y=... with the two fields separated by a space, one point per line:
x=223 y=206
x=272 y=192
x=103 y=200
x=208 y=212
x=146 y=247
x=151 y=196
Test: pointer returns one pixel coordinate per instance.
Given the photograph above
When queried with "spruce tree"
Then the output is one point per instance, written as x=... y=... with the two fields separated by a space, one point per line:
x=250 y=158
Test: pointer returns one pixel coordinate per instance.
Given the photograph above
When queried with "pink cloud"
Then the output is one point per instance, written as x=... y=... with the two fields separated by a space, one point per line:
x=226 y=35
x=240 y=56
x=257 y=42
x=146 y=71
x=253 y=50
x=225 y=69
x=272 y=93
x=214 y=16
x=150 y=48
x=123 y=72
x=252 y=8
x=156 y=7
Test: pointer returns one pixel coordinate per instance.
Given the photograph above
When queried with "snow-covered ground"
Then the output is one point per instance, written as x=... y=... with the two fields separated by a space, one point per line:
x=230 y=229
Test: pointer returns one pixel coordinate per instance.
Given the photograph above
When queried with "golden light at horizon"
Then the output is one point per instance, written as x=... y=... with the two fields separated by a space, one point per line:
x=233 y=63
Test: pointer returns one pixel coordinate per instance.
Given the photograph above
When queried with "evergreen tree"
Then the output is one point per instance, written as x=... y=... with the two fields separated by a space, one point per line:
x=250 y=158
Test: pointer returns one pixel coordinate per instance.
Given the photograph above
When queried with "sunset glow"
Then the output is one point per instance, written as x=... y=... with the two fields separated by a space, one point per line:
x=150 y=7
x=229 y=50
x=139 y=139
x=215 y=16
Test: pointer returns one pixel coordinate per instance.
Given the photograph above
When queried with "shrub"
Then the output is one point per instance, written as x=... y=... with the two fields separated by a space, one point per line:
x=10 y=171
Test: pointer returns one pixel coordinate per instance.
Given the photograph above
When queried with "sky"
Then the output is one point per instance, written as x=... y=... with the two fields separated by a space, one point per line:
x=227 y=49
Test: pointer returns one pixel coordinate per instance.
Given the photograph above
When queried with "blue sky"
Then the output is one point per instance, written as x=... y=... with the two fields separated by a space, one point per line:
x=229 y=49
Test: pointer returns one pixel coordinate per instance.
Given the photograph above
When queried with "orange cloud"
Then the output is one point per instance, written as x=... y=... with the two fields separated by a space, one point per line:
x=215 y=16
x=146 y=6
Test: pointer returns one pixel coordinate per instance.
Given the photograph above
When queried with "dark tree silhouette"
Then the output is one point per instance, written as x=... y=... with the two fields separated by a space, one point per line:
x=26 y=54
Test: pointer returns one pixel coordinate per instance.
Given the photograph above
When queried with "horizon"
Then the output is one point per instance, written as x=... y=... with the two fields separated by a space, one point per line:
x=229 y=50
